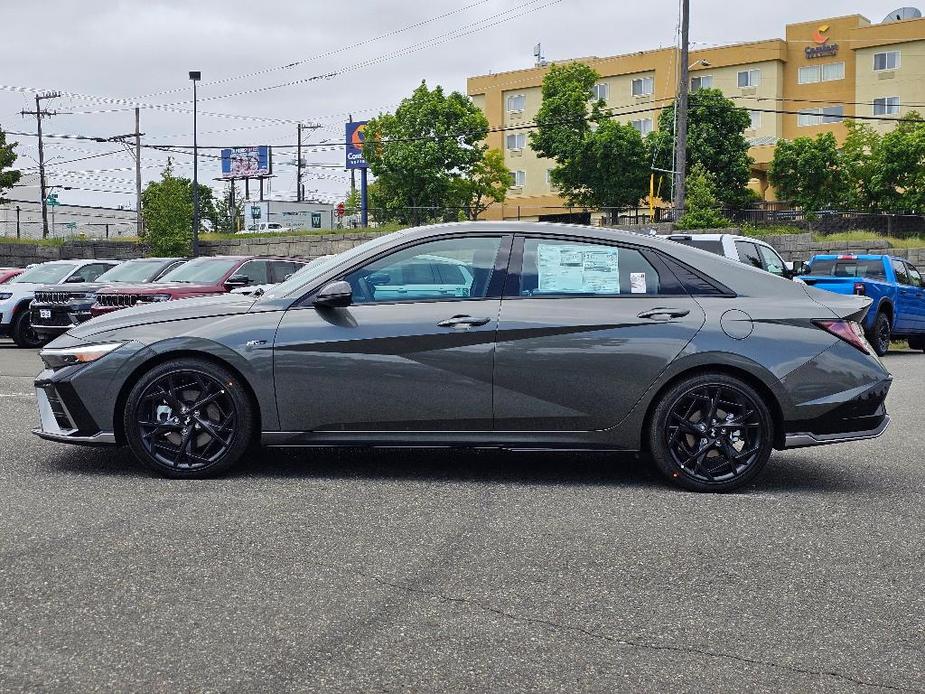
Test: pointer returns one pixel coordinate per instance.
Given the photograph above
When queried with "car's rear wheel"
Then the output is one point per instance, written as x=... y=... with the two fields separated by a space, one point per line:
x=189 y=418
x=881 y=334
x=711 y=433
x=23 y=333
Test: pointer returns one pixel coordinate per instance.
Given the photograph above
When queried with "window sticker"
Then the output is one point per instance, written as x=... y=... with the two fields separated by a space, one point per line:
x=637 y=283
x=577 y=269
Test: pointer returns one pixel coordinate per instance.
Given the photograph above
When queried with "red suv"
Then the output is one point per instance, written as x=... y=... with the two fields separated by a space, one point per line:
x=198 y=277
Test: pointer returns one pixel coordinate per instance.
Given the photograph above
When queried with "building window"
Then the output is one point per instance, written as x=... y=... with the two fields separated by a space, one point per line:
x=643 y=125
x=520 y=178
x=600 y=91
x=549 y=181
x=820 y=116
x=755 y=117
x=643 y=86
x=889 y=60
x=516 y=141
x=829 y=72
x=701 y=82
x=516 y=102
x=749 y=78
x=886 y=106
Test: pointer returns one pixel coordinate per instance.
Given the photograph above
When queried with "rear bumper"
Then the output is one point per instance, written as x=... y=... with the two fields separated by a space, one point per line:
x=802 y=440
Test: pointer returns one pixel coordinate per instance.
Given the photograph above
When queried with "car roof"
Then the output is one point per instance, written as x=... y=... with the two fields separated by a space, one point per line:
x=716 y=237
x=852 y=256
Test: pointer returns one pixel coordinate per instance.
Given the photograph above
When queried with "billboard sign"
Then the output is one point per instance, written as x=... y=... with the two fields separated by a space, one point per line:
x=247 y=162
x=356 y=136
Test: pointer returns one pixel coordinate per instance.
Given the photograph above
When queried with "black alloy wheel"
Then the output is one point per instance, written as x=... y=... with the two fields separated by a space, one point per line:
x=188 y=418
x=23 y=333
x=711 y=433
x=881 y=334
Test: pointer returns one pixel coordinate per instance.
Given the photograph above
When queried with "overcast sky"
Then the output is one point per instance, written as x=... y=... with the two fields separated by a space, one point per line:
x=141 y=51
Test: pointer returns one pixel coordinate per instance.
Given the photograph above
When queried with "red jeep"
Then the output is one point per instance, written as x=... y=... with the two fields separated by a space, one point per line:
x=198 y=277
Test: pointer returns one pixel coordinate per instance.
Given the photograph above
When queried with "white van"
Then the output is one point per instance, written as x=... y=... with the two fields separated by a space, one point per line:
x=262 y=227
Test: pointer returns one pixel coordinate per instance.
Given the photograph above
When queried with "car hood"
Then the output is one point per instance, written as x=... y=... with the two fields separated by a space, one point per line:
x=161 y=288
x=74 y=288
x=21 y=288
x=164 y=311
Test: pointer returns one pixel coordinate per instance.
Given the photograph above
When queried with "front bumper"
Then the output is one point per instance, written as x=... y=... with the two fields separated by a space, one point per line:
x=58 y=423
x=59 y=318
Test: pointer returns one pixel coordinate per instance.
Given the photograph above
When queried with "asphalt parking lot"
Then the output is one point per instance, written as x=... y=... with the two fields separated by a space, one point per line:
x=384 y=571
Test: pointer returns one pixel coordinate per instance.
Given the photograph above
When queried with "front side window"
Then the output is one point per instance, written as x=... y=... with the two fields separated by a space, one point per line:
x=88 y=273
x=902 y=276
x=552 y=267
x=516 y=102
x=255 y=271
x=281 y=269
x=888 y=60
x=886 y=106
x=772 y=261
x=749 y=78
x=643 y=86
x=914 y=275
x=447 y=269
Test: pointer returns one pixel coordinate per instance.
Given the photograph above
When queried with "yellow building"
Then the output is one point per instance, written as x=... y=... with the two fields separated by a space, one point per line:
x=822 y=73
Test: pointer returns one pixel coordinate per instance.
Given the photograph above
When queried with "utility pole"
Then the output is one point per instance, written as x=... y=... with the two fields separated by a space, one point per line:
x=18 y=209
x=139 y=223
x=298 y=163
x=680 y=152
x=353 y=173
x=195 y=76
x=39 y=114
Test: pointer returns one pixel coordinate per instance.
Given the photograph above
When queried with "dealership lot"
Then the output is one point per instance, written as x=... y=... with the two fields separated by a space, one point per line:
x=441 y=570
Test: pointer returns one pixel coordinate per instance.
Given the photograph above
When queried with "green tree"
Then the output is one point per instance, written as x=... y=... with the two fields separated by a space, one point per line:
x=862 y=181
x=227 y=216
x=715 y=140
x=599 y=161
x=8 y=177
x=167 y=207
x=702 y=206
x=487 y=183
x=807 y=171
x=418 y=153
x=899 y=178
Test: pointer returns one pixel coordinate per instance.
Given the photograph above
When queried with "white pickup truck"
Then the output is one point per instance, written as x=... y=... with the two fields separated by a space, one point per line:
x=745 y=249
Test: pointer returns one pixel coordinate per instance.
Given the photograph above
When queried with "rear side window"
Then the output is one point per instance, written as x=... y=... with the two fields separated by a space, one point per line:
x=88 y=273
x=848 y=267
x=554 y=268
x=281 y=269
x=748 y=254
x=711 y=246
x=255 y=271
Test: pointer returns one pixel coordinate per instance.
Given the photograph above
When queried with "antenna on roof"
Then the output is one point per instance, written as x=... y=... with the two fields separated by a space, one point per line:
x=538 y=55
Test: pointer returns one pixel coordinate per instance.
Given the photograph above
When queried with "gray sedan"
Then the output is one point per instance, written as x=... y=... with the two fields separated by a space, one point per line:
x=507 y=335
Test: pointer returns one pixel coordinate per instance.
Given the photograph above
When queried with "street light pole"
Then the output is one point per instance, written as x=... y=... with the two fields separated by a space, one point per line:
x=195 y=76
x=680 y=151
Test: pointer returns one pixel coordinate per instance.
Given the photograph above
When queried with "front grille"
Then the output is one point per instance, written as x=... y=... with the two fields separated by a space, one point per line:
x=57 y=409
x=120 y=300
x=50 y=297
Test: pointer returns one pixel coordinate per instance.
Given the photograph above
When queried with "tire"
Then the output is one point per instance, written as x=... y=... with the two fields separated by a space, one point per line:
x=22 y=332
x=170 y=433
x=880 y=336
x=691 y=453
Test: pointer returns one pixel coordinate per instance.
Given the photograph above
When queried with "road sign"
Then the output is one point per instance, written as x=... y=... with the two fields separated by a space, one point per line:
x=52 y=199
x=341 y=209
x=255 y=211
x=71 y=225
x=356 y=136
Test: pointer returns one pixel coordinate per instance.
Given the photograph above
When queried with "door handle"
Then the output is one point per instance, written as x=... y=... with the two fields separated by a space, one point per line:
x=462 y=321
x=666 y=312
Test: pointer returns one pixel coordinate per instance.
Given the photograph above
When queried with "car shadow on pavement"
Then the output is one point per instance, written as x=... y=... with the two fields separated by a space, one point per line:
x=794 y=474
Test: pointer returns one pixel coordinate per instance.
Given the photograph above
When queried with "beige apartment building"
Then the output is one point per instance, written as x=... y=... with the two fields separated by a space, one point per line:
x=820 y=74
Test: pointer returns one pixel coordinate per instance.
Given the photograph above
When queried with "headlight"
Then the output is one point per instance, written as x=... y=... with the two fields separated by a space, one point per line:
x=59 y=357
x=5 y=295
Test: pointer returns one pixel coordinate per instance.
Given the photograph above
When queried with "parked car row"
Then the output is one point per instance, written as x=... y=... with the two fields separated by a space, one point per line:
x=50 y=298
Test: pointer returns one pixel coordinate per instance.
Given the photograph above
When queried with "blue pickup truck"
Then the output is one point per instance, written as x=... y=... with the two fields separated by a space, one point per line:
x=894 y=285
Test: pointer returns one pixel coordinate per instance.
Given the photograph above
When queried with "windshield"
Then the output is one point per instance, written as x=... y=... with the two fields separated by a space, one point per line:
x=132 y=271
x=849 y=267
x=307 y=274
x=46 y=273
x=200 y=271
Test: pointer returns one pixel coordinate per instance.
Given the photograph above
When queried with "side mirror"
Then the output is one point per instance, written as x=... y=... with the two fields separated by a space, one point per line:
x=800 y=267
x=236 y=281
x=74 y=279
x=335 y=295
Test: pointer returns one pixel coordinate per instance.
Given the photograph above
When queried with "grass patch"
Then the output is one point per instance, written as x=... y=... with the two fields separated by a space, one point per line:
x=909 y=242
x=54 y=243
x=771 y=230
x=382 y=229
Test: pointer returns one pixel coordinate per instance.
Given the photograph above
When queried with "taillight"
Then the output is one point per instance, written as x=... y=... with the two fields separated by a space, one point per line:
x=849 y=331
x=859 y=288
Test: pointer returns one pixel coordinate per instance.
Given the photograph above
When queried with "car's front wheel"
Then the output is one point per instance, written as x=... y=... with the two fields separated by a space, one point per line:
x=189 y=418
x=23 y=333
x=881 y=335
x=711 y=433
